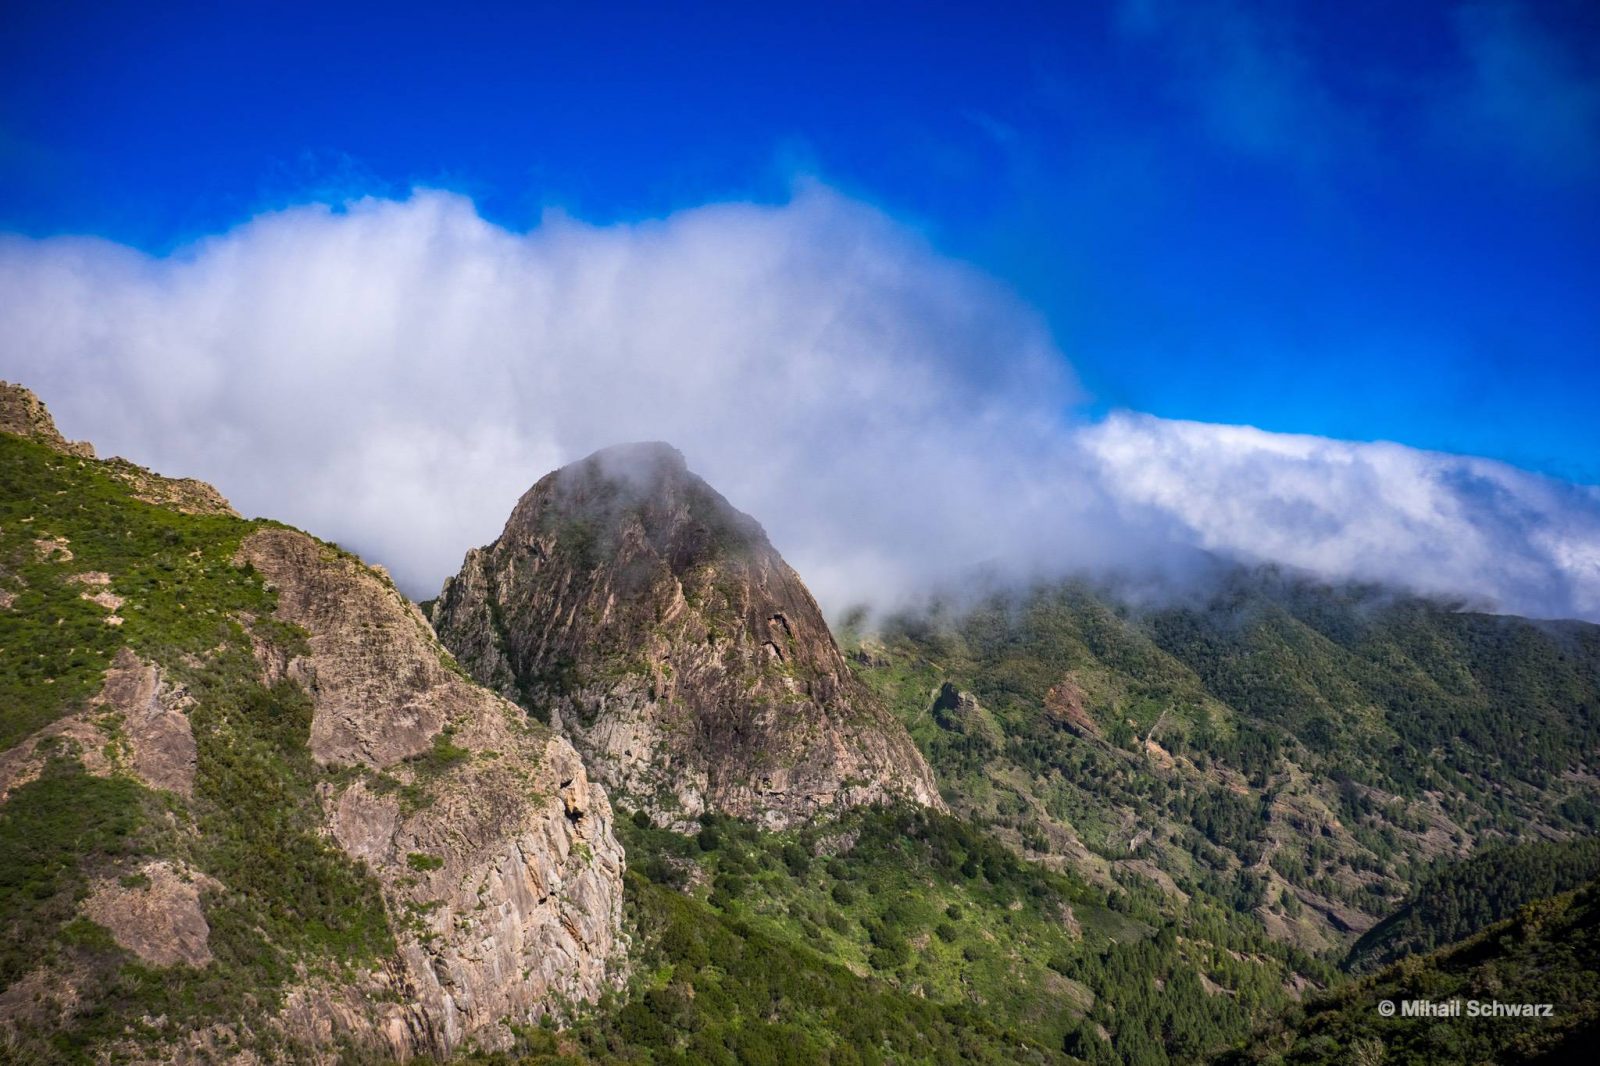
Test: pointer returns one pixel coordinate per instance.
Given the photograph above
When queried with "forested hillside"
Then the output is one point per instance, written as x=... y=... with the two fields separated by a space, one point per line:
x=1543 y=957
x=1301 y=753
x=1459 y=899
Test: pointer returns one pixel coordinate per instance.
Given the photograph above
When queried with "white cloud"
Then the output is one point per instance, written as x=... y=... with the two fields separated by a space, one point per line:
x=1449 y=525
x=392 y=375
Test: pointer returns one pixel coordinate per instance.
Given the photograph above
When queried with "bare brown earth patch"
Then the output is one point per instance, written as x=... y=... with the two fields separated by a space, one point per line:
x=1066 y=703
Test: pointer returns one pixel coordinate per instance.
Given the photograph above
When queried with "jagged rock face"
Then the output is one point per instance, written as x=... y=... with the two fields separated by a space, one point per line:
x=22 y=413
x=505 y=887
x=633 y=607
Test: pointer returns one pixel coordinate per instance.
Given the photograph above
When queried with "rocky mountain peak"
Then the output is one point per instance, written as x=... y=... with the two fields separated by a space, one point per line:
x=645 y=490
x=636 y=609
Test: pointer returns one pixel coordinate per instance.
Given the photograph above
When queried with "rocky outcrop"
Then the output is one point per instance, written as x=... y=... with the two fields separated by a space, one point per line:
x=156 y=914
x=377 y=676
x=154 y=730
x=184 y=494
x=135 y=725
x=631 y=606
x=494 y=850
x=22 y=413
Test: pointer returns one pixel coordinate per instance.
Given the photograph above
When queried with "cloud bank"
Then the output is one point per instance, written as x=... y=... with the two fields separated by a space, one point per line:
x=393 y=374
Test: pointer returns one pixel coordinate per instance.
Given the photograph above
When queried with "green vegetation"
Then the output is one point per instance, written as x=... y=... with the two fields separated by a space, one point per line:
x=62 y=518
x=1544 y=955
x=726 y=993
x=930 y=926
x=441 y=757
x=1277 y=744
x=55 y=832
x=714 y=990
x=292 y=895
x=1366 y=681
x=426 y=769
x=290 y=902
x=1459 y=899
x=1277 y=752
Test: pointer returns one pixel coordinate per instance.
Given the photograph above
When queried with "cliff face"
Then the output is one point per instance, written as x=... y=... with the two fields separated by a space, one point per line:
x=250 y=807
x=631 y=606
x=491 y=844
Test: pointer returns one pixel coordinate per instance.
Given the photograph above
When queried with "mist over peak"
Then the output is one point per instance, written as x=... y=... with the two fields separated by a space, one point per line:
x=395 y=374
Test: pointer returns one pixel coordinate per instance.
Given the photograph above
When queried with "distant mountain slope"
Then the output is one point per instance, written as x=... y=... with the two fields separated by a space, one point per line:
x=1297 y=751
x=1544 y=955
x=1462 y=898
x=249 y=806
x=634 y=608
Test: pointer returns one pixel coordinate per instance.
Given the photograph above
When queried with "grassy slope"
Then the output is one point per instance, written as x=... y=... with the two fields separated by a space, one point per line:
x=290 y=899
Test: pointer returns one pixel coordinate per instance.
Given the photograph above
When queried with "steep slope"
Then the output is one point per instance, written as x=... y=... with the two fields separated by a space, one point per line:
x=1463 y=898
x=1544 y=956
x=1294 y=751
x=634 y=608
x=250 y=806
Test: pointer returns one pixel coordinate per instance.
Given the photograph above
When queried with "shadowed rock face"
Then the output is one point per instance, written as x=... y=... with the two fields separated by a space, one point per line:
x=640 y=613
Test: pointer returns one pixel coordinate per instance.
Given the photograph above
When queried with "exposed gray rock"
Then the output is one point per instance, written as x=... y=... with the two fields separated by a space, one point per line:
x=501 y=874
x=156 y=915
x=634 y=608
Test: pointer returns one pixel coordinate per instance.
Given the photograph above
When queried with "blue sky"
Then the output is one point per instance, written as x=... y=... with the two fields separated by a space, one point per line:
x=1360 y=220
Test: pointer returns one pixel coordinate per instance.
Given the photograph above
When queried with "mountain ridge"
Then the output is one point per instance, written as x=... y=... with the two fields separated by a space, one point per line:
x=628 y=603
x=249 y=804
x=255 y=811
